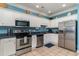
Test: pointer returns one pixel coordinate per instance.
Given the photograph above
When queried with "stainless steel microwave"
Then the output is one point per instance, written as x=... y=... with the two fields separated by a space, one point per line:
x=22 y=23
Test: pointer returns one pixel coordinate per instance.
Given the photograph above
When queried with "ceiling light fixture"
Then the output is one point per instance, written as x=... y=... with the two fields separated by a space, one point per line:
x=49 y=11
x=37 y=6
x=63 y=5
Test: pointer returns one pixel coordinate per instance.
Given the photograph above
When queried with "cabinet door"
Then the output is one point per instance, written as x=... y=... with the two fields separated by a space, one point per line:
x=1 y=48
x=51 y=38
x=8 y=23
x=46 y=39
x=8 y=46
x=7 y=17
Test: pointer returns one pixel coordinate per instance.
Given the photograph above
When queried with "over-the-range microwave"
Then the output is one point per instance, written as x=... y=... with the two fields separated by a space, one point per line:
x=22 y=23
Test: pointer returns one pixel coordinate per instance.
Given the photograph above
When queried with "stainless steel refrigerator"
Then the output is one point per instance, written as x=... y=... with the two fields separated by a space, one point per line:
x=67 y=35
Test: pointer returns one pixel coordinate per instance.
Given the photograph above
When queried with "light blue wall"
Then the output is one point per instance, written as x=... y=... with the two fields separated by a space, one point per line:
x=77 y=26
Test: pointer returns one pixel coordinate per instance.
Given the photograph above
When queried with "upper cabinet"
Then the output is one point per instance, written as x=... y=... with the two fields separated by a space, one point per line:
x=6 y=18
x=54 y=22
x=37 y=22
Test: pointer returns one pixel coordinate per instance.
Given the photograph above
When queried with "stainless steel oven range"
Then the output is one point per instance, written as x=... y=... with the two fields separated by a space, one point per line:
x=23 y=45
x=23 y=42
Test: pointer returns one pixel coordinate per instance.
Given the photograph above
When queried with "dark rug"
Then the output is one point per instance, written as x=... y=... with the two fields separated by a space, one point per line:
x=49 y=45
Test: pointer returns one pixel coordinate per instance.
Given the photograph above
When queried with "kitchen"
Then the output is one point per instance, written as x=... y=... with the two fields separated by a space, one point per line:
x=38 y=29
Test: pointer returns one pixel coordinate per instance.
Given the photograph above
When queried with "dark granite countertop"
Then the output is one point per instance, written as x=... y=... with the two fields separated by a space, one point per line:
x=30 y=30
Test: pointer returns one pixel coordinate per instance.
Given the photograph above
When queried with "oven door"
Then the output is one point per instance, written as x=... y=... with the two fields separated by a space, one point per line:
x=23 y=42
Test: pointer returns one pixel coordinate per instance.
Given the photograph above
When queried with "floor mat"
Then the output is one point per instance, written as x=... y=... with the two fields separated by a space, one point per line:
x=49 y=45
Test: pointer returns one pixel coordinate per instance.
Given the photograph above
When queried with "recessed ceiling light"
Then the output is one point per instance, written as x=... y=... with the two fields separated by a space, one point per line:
x=63 y=5
x=49 y=11
x=37 y=6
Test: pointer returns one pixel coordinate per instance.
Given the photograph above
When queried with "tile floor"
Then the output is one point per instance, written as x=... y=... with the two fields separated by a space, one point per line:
x=53 y=51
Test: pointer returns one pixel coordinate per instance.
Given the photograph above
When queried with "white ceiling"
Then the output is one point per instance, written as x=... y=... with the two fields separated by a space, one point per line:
x=45 y=7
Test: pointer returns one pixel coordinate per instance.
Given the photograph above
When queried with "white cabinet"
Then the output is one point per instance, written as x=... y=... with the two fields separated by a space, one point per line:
x=51 y=38
x=34 y=41
x=54 y=22
x=7 y=20
x=7 y=46
x=0 y=23
x=47 y=39
x=6 y=17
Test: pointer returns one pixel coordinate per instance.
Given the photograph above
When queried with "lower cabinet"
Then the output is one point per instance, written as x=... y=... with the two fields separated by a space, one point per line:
x=47 y=39
x=7 y=46
x=51 y=38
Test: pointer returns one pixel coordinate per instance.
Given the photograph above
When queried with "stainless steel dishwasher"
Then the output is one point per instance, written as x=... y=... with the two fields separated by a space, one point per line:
x=39 y=41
